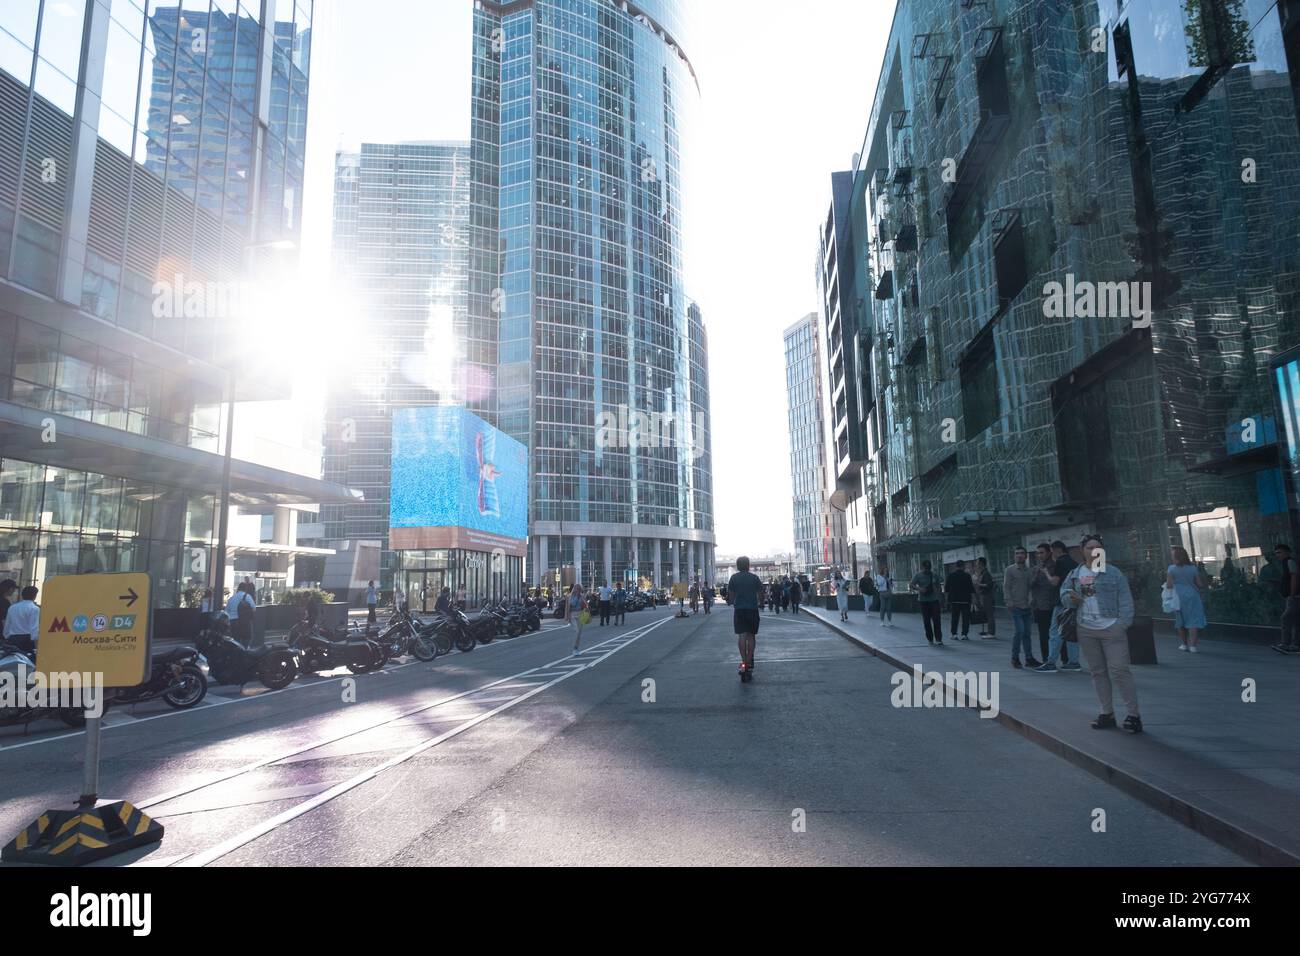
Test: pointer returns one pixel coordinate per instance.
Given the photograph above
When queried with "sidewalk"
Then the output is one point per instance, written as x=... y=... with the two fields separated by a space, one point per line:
x=1228 y=769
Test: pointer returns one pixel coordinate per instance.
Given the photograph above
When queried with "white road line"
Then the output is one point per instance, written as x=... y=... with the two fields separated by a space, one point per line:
x=252 y=833
x=223 y=701
x=266 y=761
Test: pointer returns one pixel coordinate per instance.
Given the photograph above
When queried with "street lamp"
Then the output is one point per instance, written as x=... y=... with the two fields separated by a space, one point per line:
x=223 y=526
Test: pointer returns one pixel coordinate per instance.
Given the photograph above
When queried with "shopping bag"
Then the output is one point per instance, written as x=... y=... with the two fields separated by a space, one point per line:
x=1169 y=599
x=584 y=617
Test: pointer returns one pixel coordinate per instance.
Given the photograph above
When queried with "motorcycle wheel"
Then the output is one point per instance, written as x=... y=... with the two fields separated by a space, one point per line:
x=194 y=688
x=442 y=643
x=485 y=636
x=277 y=671
x=423 y=649
x=465 y=642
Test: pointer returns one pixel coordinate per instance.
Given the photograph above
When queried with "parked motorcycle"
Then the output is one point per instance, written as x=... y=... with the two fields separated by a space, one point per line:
x=175 y=676
x=17 y=666
x=401 y=637
x=230 y=662
x=320 y=650
x=435 y=632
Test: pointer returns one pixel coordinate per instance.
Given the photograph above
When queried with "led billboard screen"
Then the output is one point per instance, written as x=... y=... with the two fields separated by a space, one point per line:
x=457 y=482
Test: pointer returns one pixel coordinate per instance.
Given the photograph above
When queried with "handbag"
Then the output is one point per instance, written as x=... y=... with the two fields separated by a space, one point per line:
x=1067 y=622
x=1169 y=599
x=875 y=603
x=584 y=617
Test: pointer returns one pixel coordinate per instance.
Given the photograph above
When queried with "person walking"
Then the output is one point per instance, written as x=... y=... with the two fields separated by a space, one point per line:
x=1044 y=595
x=841 y=587
x=774 y=593
x=960 y=589
x=22 y=627
x=708 y=598
x=926 y=585
x=884 y=585
x=1057 y=645
x=576 y=613
x=785 y=593
x=619 y=601
x=372 y=600
x=744 y=591
x=796 y=595
x=606 y=602
x=982 y=606
x=695 y=597
x=1103 y=603
x=1288 y=582
x=1017 y=588
x=1187 y=582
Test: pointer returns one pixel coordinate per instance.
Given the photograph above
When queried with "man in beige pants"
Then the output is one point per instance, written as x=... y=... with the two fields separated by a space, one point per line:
x=1100 y=593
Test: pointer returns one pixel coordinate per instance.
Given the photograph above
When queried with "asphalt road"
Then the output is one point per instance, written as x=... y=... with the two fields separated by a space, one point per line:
x=646 y=749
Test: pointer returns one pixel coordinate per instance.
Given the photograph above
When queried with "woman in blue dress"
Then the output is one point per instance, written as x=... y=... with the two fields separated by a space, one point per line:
x=1186 y=579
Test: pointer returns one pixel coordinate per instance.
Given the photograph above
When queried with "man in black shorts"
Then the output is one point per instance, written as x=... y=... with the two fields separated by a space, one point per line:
x=744 y=591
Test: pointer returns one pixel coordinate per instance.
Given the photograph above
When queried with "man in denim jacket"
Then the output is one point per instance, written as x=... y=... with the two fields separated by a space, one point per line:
x=1101 y=595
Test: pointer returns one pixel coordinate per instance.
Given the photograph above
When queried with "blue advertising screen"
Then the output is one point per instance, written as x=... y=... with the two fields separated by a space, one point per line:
x=451 y=469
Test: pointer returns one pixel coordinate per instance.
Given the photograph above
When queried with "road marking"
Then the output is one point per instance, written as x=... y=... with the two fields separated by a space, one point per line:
x=222 y=700
x=252 y=833
x=392 y=718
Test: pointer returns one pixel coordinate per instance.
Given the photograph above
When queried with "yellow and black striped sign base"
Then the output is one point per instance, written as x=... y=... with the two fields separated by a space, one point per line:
x=74 y=837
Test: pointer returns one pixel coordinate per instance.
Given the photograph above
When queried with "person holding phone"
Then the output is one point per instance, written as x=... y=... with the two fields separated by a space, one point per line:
x=1100 y=595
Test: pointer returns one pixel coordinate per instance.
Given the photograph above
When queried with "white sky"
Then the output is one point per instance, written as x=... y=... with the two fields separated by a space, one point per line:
x=785 y=103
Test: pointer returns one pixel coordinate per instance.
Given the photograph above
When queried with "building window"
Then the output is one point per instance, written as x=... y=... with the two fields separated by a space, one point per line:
x=979 y=385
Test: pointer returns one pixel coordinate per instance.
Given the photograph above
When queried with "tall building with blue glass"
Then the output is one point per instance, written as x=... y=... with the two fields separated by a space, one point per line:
x=580 y=124
x=140 y=140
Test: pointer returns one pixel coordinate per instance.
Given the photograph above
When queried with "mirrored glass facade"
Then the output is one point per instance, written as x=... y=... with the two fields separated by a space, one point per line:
x=581 y=113
x=819 y=539
x=1074 y=250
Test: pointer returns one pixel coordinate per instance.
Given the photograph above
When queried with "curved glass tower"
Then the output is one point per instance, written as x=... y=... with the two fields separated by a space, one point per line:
x=581 y=109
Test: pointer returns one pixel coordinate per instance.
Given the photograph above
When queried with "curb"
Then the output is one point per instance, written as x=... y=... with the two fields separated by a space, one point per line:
x=1254 y=848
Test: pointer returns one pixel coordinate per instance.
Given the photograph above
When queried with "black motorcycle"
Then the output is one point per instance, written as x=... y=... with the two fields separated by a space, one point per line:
x=320 y=650
x=230 y=662
x=435 y=632
x=175 y=676
x=401 y=637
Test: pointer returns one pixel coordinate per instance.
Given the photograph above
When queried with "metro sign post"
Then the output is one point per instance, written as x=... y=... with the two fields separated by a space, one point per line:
x=96 y=624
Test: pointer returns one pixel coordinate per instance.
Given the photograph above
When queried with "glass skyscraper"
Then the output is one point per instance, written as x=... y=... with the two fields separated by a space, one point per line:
x=139 y=141
x=819 y=538
x=580 y=115
x=401 y=244
x=1065 y=268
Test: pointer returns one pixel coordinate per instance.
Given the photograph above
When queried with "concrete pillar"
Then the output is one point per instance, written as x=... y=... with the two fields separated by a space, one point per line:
x=609 y=559
x=580 y=565
x=658 y=549
x=695 y=560
x=543 y=565
x=677 y=560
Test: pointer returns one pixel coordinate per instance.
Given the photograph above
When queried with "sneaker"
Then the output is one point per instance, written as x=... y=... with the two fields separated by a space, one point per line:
x=1030 y=662
x=1281 y=648
x=1071 y=667
x=1106 y=722
x=1291 y=649
x=938 y=643
x=1193 y=649
x=1048 y=668
x=1015 y=662
x=575 y=653
x=1132 y=724
x=1182 y=647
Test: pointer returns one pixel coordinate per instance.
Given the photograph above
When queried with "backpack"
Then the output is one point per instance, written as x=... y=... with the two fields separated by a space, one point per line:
x=869 y=585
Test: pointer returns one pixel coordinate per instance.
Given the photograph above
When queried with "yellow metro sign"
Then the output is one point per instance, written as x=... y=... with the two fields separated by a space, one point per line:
x=96 y=623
